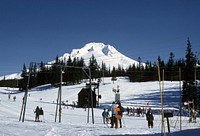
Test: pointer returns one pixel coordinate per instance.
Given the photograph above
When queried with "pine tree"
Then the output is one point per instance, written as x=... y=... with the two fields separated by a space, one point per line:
x=68 y=72
x=93 y=65
x=54 y=75
x=42 y=74
x=23 y=81
x=114 y=78
x=190 y=62
x=170 y=70
x=189 y=91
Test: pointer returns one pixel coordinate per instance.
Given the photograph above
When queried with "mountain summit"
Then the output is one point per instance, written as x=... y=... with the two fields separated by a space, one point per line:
x=103 y=53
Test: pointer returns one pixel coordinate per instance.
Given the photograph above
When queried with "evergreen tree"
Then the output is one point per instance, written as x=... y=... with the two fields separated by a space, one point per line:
x=23 y=81
x=42 y=75
x=170 y=73
x=54 y=75
x=114 y=78
x=190 y=62
x=67 y=74
x=33 y=76
x=93 y=65
x=170 y=63
x=189 y=92
x=24 y=71
x=80 y=63
x=131 y=73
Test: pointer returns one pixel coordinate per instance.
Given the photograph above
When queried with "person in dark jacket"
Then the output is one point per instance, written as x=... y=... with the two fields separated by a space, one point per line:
x=37 y=113
x=41 y=114
x=120 y=112
x=150 y=118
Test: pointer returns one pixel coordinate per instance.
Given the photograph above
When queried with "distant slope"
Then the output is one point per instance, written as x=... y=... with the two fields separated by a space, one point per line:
x=11 y=76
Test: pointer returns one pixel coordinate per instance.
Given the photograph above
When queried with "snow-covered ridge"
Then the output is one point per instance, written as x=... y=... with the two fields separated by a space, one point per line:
x=11 y=76
x=103 y=53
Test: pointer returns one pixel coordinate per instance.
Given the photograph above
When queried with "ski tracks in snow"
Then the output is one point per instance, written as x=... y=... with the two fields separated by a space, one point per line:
x=52 y=132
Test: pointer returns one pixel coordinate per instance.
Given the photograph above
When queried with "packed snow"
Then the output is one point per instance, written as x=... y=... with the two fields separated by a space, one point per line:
x=74 y=120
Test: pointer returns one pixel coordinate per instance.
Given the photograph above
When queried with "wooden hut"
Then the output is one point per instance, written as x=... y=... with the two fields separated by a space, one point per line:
x=84 y=98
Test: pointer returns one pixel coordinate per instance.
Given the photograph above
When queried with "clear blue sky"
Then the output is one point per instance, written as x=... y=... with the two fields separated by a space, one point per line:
x=39 y=30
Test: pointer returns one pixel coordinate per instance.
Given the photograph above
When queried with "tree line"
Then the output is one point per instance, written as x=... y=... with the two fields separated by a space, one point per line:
x=45 y=74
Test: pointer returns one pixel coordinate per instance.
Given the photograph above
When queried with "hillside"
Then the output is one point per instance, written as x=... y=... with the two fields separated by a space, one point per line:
x=74 y=121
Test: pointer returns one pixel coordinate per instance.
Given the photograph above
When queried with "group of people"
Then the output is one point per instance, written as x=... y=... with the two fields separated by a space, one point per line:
x=136 y=111
x=9 y=96
x=39 y=114
x=117 y=114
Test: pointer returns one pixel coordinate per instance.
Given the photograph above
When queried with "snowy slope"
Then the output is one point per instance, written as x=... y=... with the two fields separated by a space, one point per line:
x=11 y=76
x=74 y=122
x=103 y=53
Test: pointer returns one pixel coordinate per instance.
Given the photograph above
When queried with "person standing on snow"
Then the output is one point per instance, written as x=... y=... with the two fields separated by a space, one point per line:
x=120 y=113
x=41 y=114
x=105 y=115
x=37 y=113
x=114 y=112
x=150 y=118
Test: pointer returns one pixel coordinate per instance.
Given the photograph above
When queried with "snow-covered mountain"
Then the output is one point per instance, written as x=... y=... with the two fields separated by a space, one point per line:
x=11 y=76
x=103 y=53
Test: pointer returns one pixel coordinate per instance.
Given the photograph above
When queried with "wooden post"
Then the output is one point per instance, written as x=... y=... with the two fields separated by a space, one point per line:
x=161 y=99
x=168 y=115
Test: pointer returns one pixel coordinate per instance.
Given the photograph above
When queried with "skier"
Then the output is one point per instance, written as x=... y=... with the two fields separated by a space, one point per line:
x=150 y=118
x=113 y=111
x=14 y=98
x=41 y=114
x=37 y=113
x=9 y=96
x=120 y=113
x=105 y=115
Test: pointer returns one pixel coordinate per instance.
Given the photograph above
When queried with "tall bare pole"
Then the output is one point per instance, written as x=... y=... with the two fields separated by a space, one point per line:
x=163 y=76
x=180 y=109
x=60 y=92
x=161 y=99
x=23 y=109
x=57 y=103
x=59 y=98
x=91 y=96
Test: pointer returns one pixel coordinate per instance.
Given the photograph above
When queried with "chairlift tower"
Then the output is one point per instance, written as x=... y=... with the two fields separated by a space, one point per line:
x=59 y=98
x=23 y=108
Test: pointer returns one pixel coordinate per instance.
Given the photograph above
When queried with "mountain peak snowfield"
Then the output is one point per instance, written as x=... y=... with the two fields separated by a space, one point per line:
x=103 y=53
x=74 y=121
